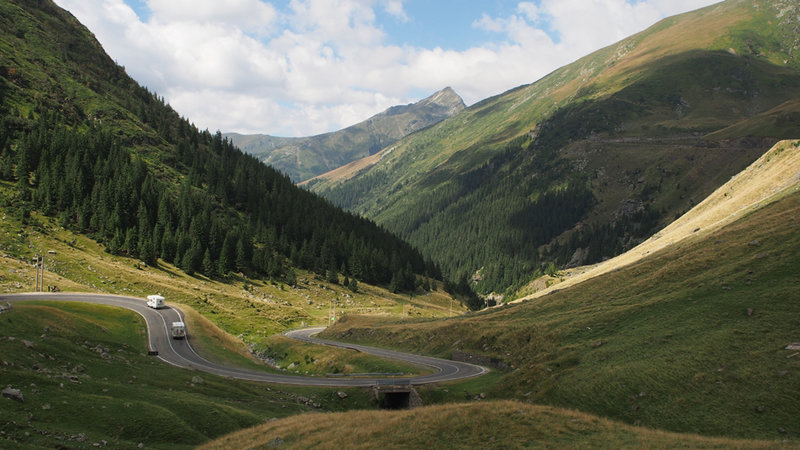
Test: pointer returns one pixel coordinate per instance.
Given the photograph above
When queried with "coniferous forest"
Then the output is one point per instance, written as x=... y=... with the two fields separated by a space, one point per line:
x=86 y=144
x=228 y=213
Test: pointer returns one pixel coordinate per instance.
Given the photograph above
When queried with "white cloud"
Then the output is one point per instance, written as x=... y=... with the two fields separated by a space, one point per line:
x=248 y=14
x=319 y=65
x=395 y=8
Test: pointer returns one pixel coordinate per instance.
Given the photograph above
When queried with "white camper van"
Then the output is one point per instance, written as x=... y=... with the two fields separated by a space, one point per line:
x=155 y=301
x=178 y=330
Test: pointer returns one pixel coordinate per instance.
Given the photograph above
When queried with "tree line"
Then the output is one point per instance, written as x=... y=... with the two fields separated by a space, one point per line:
x=224 y=212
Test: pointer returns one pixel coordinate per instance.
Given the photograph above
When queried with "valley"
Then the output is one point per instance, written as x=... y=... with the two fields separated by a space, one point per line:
x=693 y=337
x=606 y=257
x=592 y=159
x=180 y=353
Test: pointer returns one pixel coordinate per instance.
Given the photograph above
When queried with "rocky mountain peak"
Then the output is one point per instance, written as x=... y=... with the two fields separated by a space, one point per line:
x=446 y=98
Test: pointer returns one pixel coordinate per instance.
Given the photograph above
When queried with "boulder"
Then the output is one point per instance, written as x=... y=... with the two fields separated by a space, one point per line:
x=13 y=394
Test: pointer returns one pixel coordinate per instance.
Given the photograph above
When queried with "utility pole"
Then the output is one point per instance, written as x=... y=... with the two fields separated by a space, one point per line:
x=36 y=267
x=331 y=312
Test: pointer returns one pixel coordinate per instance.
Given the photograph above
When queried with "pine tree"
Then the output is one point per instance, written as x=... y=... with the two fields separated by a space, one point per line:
x=353 y=285
x=242 y=259
x=227 y=255
x=147 y=252
x=130 y=247
x=7 y=165
x=115 y=245
x=209 y=268
x=168 y=246
x=193 y=259
x=395 y=283
x=331 y=276
x=426 y=284
x=291 y=277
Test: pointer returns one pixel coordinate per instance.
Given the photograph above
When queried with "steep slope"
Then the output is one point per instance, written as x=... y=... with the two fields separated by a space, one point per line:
x=306 y=157
x=593 y=158
x=774 y=174
x=694 y=337
x=83 y=142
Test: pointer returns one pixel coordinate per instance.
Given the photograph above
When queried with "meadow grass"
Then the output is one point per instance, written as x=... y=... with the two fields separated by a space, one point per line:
x=304 y=358
x=75 y=397
x=500 y=424
x=85 y=379
x=232 y=317
x=690 y=339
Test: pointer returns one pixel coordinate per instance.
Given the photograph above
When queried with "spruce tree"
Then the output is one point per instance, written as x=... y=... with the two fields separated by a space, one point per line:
x=209 y=268
x=353 y=285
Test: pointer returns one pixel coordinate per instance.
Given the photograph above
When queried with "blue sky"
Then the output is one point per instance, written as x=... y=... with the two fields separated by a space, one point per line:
x=441 y=23
x=445 y=23
x=303 y=67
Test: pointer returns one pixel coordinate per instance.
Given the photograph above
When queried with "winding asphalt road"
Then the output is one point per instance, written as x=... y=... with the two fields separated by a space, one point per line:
x=181 y=354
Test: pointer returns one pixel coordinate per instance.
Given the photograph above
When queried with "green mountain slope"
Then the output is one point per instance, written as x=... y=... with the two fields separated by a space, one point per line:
x=593 y=158
x=83 y=142
x=695 y=337
x=774 y=173
x=306 y=157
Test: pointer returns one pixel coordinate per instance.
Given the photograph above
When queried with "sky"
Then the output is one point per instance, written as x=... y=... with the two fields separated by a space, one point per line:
x=305 y=67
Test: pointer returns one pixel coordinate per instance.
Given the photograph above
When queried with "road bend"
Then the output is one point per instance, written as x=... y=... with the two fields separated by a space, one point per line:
x=179 y=352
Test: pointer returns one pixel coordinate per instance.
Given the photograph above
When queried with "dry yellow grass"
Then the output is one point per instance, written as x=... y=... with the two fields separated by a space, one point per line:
x=495 y=424
x=772 y=175
x=347 y=171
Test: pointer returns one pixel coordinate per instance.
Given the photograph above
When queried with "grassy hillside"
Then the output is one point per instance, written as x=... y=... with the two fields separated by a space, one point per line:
x=250 y=309
x=305 y=157
x=86 y=381
x=501 y=424
x=632 y=135
x=692 y=338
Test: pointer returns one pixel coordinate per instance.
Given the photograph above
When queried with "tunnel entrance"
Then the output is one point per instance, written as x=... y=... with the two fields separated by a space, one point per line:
x=396 y=400
x=396 y=396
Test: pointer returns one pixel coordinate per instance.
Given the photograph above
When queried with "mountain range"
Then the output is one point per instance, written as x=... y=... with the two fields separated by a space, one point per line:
x=593 y=158
x=661 y=159
x=306 y=157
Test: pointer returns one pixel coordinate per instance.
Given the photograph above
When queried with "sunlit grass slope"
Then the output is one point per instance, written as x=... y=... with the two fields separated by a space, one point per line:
x=692 y=338
x=496 y=424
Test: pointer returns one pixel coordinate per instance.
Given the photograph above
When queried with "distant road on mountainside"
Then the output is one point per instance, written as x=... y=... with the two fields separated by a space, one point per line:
x=180 y=353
